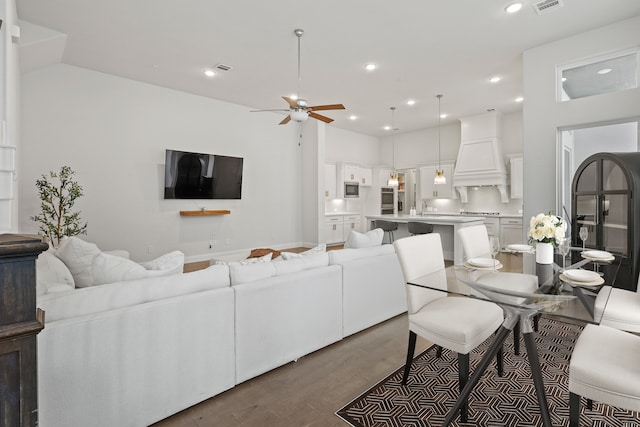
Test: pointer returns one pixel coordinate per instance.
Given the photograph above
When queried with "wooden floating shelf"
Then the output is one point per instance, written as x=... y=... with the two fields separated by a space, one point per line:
x=204 y=213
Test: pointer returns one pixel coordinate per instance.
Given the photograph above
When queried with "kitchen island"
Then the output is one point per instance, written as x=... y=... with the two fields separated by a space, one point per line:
x=446 y=226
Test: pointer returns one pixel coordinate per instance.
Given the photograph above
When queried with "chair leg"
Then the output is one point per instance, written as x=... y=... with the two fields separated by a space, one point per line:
x=574 y=410
x=438 y=352
x=536 y=318
x=589 y=404
x=410 y=350
x=463 y=376
x=500 y=362
x=516 y=339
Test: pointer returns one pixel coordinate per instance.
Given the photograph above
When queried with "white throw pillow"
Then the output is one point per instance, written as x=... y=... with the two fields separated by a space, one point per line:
x=370 y=238
x=291 y=255
x=111 y=268
x=246 y=273
x=52 y=273
x=171 y=263
x=256 y=260
x=78 y=256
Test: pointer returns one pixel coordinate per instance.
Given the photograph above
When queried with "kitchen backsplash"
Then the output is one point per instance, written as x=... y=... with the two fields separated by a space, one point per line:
x=481 y=199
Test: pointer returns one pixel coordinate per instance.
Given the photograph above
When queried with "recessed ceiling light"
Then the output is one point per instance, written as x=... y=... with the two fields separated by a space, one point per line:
x=370 y=67
x=294 y=97
x=443 y=116
x=564 y=79
x=387 y=127
x=514 y=7
x=604 y=71
x=495 y=79
x=209 y=72
x=519 y=99
x=411 y=102
x=353 y=117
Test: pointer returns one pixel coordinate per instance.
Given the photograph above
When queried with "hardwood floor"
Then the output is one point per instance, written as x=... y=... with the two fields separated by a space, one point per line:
x=309 y=391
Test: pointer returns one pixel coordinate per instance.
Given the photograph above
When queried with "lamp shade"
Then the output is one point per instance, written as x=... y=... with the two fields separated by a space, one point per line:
x=393 y=181
x=439 y=178
x=299 y=116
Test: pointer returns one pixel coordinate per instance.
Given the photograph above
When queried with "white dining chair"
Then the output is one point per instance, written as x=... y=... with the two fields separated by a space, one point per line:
x=475 y=241
x=475 y=244
x=604 y=367
x=459 y=324
x=618 y=308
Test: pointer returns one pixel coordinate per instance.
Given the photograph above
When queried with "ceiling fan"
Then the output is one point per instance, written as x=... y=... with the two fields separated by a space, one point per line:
x=299 y=109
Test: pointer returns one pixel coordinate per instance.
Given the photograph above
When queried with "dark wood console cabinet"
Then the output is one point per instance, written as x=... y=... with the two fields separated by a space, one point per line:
x=20 y=322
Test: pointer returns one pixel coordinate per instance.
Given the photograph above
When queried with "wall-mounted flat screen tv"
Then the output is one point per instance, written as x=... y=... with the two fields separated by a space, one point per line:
x=202 y=176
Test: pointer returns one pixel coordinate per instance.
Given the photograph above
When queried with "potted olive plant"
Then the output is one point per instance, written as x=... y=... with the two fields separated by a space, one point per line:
x=58 y=193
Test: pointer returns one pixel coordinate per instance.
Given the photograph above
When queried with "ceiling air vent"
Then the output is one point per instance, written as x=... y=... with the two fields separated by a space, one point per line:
x=545 y=6
x=223 y=67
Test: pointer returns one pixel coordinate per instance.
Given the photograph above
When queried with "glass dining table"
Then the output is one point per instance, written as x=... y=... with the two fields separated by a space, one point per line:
x=560 y=294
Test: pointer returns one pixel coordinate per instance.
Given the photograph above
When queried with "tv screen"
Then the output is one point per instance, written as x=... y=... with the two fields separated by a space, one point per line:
x=202 y=176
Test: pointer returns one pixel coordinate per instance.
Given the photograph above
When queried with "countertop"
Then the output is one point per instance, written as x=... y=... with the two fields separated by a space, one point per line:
x=340 y=213
x=501 y=215
x=435 y=219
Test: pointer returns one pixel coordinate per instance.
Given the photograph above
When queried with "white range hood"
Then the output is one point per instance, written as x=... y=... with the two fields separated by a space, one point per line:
x=480 y=161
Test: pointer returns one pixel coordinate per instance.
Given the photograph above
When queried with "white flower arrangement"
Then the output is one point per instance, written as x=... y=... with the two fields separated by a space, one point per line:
x=547 y=229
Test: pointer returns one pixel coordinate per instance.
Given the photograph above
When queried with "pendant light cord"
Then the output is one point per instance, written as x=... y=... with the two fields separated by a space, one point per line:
x=439 y=118
x=393 y=130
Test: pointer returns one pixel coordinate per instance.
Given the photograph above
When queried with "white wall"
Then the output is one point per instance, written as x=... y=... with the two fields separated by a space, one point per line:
x=350 y=147
x=543 y=116
x=113 y=133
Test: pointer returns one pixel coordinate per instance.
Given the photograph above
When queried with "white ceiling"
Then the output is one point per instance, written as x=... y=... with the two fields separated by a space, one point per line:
x=422 y=48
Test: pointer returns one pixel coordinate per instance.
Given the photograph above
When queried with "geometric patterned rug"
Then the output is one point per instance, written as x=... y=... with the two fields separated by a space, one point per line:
x=510 y=400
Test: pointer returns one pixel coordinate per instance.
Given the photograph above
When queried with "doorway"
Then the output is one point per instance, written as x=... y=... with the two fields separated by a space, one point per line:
x=577 y=143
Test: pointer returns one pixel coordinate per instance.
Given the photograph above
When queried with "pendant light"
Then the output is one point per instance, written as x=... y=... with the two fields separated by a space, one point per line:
x=393 y=179
x=439 y=178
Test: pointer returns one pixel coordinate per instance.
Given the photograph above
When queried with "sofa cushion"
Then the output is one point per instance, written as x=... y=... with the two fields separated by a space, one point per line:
x=370 y=238
x=345 y=255
x=96 y=299
x=52 y=275
x=245 y=273
x=78 y=256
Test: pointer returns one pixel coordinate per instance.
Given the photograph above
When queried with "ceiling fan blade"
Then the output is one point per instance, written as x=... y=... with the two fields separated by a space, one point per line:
x=327 y=107
x=319 y=117
x=285 y=120
x=292 y=102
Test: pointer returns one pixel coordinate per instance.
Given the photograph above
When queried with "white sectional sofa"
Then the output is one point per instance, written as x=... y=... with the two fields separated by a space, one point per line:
x=134 y=352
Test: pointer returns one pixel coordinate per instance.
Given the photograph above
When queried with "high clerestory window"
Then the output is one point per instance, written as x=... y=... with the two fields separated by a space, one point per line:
x=603 y=74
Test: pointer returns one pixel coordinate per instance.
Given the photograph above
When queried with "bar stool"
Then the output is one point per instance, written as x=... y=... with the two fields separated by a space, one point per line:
x=419 y=228
x=387 y=227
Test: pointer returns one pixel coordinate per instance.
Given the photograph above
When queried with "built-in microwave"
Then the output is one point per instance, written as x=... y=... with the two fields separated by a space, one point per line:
x=351 y=190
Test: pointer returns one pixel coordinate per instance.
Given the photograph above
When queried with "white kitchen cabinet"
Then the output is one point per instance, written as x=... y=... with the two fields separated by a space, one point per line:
x=350 y=173
x=350 y=223
x=330 y=181
x=429 y=190
x=365 y=175
x=511 y=231
x=334 y=230
x=493 y=226
x=516 y=174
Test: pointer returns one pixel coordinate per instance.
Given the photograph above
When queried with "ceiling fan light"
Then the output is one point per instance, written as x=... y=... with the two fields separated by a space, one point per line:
x=299 y=116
